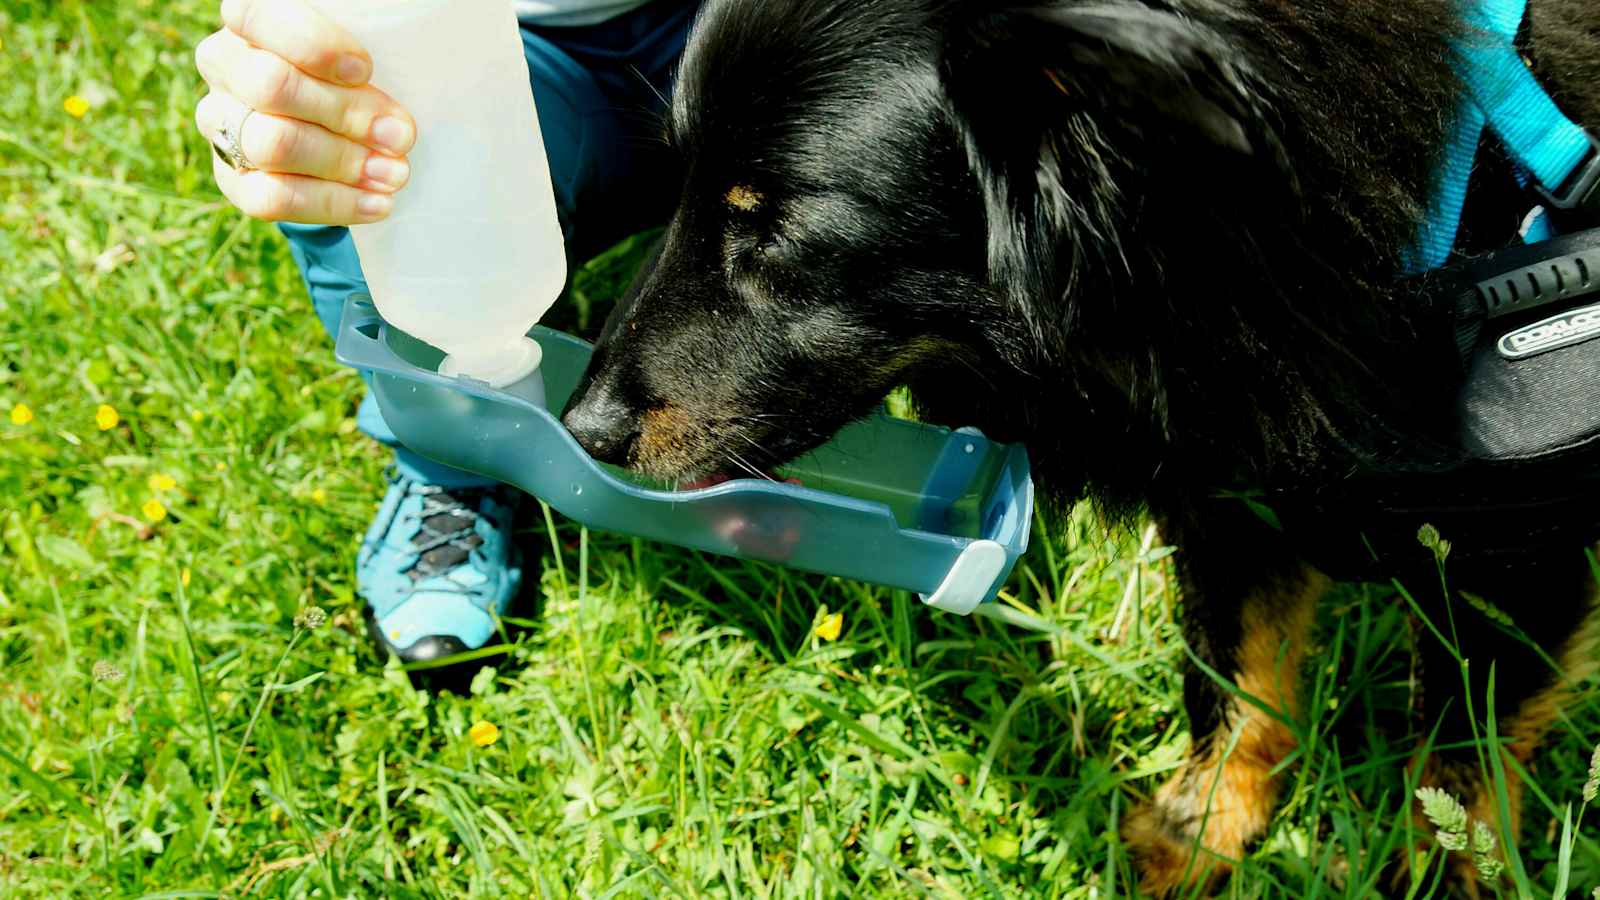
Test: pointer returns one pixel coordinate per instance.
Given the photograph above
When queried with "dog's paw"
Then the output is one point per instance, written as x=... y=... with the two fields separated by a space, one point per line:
x=1169 y=859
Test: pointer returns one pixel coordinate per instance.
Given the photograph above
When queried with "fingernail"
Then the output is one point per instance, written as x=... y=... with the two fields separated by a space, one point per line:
x=387 y=170
x=392 y=134
x=352 y=69
x=375 y=205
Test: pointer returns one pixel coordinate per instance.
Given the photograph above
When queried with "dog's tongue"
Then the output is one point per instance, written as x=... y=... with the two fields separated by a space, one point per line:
x=711 y=480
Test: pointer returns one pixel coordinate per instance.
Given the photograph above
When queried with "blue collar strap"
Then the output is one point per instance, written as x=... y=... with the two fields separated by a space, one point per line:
x=1560 y=157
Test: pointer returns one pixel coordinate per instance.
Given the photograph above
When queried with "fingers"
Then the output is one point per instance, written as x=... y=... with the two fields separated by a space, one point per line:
x=297 y=198
x=326 y=147
x=269 y=83
x=289 y=146
x=297 y=33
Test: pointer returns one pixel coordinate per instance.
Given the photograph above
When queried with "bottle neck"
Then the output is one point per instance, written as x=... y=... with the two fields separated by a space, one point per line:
x=498 y=366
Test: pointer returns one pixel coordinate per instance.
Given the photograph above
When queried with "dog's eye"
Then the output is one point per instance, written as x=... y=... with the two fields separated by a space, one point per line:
x=743 y=248
x=775 y=250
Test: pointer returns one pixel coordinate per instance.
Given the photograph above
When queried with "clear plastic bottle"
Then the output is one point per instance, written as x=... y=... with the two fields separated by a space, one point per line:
x=472 y=255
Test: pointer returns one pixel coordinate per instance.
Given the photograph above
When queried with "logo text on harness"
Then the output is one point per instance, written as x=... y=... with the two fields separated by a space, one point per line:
x=1557 y=331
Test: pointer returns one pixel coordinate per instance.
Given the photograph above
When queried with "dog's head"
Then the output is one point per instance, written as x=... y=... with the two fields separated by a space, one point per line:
x=879 y=194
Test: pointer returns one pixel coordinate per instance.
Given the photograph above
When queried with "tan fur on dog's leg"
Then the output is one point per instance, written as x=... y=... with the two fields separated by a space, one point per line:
x=1524 y=732
x=1221 y=799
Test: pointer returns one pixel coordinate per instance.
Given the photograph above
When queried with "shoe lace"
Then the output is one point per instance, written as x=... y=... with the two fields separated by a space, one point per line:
x=447 y=535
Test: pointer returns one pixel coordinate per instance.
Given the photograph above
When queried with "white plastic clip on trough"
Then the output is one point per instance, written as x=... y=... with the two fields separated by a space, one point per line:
x=943 y=513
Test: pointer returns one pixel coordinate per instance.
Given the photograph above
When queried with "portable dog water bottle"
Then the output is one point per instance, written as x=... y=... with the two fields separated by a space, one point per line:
x=940 y=512
x=471 y=259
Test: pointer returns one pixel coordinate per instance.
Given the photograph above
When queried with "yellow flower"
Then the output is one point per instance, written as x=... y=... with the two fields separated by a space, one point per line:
x=184 y=575
x=483 y=734
x=222 y=467
x=21 y=414
x=75 y=106
x=319 y=496
x=106 y=417
x=196 y=415
x=830 y=626
x=162 y=482
x=153 y=510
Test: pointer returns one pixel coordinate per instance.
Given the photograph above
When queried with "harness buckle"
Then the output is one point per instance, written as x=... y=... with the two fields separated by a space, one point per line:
x=1576 y=203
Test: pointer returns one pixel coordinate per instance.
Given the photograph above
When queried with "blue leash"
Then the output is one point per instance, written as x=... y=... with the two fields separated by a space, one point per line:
x=1503 y=95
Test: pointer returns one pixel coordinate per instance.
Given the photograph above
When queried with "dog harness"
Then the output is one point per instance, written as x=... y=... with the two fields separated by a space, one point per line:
x=1525 y=317
x=1522 y=474
x=1555 y=156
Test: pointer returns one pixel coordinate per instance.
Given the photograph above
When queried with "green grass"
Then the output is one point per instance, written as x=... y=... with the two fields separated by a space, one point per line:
x=669 y=723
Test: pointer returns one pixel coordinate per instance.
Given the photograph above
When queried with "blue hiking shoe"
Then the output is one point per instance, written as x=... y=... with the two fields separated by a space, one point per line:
x=436 y=568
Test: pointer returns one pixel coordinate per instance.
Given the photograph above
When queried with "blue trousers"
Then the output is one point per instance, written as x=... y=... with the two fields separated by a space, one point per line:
x=598 y=89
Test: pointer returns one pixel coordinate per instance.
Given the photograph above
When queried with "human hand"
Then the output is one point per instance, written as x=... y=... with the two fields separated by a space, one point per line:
x=322 y=146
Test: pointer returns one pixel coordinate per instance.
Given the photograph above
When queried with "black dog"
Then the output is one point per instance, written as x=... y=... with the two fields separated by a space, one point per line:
x=1156 y=241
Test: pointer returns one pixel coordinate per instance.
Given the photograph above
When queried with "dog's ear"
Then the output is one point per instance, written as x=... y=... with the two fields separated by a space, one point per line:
x=1066 y=109
x=1021 y=70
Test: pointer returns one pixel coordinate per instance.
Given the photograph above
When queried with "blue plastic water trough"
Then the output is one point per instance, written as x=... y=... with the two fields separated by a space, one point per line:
x=943 y=513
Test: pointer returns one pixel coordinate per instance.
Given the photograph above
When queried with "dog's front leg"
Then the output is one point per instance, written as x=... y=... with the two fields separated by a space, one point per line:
x=1248 y=607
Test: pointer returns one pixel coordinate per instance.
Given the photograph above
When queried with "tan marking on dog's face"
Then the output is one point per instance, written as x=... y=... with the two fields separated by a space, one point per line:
x=673 y=440
x=664 y=436
x=1233 y=792
x=745 y=198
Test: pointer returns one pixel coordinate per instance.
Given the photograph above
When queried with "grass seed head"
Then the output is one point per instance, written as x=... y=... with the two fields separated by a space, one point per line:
x=1483 y=852
x=1429 y=537
x=1447 y=815
x=311 y=618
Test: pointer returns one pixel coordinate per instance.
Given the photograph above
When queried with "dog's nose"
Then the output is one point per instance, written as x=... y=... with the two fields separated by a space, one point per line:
x=604 y=426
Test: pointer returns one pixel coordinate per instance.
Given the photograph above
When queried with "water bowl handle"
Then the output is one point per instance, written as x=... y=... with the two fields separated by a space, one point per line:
x=360 y=342
x=983 y=565
x=968 y=583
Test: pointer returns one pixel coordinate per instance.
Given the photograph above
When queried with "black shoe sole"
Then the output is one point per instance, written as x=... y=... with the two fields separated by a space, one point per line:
x=455 y=677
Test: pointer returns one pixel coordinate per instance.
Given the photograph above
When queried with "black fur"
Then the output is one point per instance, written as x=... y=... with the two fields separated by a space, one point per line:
x=1156 y=241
